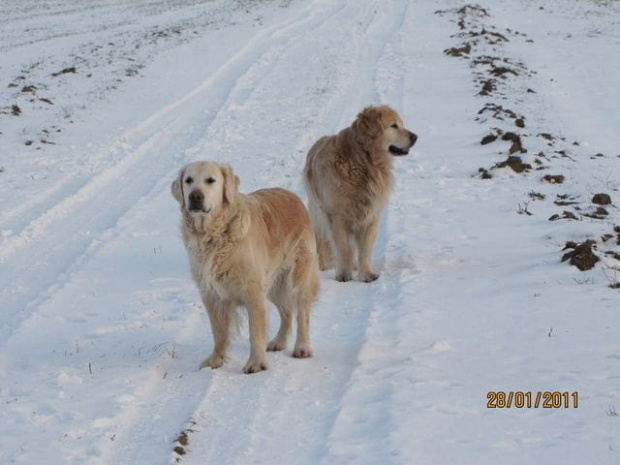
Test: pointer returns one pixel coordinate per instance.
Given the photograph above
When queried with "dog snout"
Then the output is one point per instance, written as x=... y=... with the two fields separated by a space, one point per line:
x=412 y=137
x=195 y=200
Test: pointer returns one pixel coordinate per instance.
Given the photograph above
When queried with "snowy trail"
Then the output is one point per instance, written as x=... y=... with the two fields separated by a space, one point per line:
x=102 y=328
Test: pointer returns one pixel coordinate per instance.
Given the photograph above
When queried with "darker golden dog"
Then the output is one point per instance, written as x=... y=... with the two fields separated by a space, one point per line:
x=348 y=177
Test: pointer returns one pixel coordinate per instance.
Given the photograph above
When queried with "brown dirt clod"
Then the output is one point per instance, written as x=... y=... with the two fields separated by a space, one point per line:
x=581 y=255
x=517 y=145
x=488 y=139
x=458 y=51
x=601 y=199
x=488 y=87
x=484 y=174
x=566 y=215
x=554 y=178
x=515 y=163
x=502 y=70
x=71 y=70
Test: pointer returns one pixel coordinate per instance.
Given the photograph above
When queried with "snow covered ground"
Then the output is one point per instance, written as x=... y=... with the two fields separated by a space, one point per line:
x=102 y=330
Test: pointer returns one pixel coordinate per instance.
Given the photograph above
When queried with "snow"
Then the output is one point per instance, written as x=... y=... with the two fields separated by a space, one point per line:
x=103 y=330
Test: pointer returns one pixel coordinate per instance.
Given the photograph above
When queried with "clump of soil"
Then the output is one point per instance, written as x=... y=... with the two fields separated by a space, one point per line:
x=501 y=113
x=613 y=254
x=69 y=70
x=515 y=163
x=581 y=255
x=491 y=37
x=536 y=196
x=517 y=145
x=488 y=139
x=458 y=51
x=502 y=70
x=485 y=60
x=601 y=199
x=182 y=442
x=599 y=214
x=566 y=215
x=484 y=174
x=546 y=136
x=488 y=87
x=564 y=200
x=476 y=10
x=554 y=178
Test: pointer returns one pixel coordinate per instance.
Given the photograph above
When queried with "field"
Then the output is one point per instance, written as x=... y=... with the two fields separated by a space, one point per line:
x=499 y=251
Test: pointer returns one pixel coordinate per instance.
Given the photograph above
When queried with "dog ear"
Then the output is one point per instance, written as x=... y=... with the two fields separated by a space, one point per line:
x=367 y=127
x=177 y=187
x=231 y=183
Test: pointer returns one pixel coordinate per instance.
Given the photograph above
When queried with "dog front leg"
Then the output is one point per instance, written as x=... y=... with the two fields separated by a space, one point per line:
x=344 y=251
x=220 y=317
x=258 y=322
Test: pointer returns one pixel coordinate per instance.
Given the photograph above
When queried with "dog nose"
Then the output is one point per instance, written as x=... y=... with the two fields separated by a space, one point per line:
x=413 y=138
x=196 y=196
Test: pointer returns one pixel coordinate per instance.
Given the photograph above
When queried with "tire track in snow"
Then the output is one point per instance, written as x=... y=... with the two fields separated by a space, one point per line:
x=58 y=242
x=359 y=428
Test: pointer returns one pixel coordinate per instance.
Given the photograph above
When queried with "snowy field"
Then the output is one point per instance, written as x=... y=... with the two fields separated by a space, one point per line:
x=102 y=329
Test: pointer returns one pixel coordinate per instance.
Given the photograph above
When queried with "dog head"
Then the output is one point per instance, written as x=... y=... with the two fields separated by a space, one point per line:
x=381 y=129
x=202 y=188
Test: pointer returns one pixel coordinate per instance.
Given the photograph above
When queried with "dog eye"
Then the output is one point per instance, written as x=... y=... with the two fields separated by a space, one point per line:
x=395 y=125
x=189 y=180
x=209 y=180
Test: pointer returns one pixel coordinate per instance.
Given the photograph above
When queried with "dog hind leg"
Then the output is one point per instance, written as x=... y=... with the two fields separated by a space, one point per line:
x=365 y=243
x=344 y=251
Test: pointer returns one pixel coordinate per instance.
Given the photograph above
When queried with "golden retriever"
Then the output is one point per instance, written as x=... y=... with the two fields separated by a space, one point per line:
x=243 y=248
x=348 y=177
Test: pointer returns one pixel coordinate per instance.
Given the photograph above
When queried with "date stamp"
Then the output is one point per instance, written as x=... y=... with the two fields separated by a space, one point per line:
x=529 y=399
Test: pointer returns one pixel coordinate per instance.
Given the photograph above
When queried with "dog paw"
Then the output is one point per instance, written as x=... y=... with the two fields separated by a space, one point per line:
x=302 y=352
x=344 y=277
x=254 y=366
x=368 y=277
x=214 y=361
x=276 y=346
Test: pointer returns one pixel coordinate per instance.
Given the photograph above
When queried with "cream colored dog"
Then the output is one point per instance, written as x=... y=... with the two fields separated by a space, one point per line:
x=243 y=248
x=348 y=177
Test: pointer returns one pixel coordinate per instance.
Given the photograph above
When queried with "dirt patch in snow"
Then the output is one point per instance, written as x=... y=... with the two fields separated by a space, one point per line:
x=503 y=81
x=581 y=255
